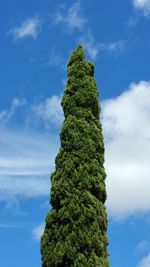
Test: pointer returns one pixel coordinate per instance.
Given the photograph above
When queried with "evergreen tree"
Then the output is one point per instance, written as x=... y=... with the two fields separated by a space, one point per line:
x=75 y=231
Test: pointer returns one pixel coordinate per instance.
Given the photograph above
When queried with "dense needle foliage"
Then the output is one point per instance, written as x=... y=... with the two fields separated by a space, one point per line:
x=75 y=231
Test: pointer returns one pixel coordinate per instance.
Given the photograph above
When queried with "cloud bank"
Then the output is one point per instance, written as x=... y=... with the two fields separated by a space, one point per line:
x=127 y=140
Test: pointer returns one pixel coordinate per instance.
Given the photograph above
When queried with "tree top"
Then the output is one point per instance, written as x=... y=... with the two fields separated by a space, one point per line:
x=77 y=55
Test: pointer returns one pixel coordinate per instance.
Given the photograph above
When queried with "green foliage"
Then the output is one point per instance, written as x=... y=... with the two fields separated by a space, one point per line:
x=75 y=231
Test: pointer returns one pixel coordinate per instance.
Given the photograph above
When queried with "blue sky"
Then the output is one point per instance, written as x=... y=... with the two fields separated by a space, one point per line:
x=36 y=41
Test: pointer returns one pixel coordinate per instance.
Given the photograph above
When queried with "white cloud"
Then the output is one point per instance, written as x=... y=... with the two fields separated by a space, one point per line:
x=38 y=231
x=71 y=17
x=145 y=262
x=143 y=5
x=50 y=110
x=127 y=140
x=29 y=27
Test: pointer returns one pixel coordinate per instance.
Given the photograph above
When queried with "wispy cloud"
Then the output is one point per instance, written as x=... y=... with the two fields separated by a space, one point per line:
x=38 y=231
x=6 y=115
x=143 y=5
x=26 y=161
x=114 y=48
x=145 y=262
x=71 y=17
x=133 y=20
x=26 y=156
x=94 y=47
x=54 y=59
x=28 y=28
x=12 y=225
x=6 y=226
x=90 y=45
x=142 y=246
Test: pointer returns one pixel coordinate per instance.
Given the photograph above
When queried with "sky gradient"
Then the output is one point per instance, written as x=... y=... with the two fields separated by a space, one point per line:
x=36 y=42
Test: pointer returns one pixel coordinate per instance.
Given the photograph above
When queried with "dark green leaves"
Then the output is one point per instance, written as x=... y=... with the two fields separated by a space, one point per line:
x=75 y=231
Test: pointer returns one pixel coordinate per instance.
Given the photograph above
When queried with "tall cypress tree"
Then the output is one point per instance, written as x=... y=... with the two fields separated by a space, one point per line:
x=75 y=231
